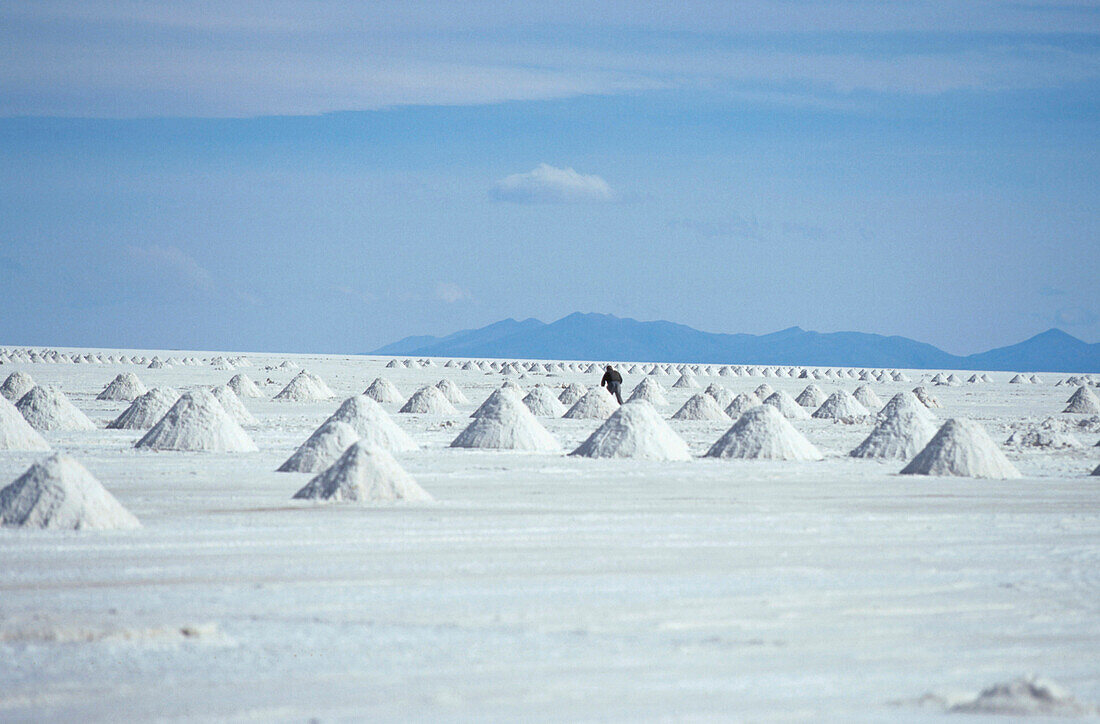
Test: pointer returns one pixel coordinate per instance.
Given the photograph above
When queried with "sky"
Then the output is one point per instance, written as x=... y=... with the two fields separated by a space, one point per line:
x=334 y=176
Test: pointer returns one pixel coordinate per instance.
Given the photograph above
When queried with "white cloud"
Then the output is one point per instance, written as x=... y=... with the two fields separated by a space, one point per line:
x=548 y=184
x=451 y=293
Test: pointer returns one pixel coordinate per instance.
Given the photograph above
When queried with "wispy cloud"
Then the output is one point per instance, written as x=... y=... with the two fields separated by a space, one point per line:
x=548 y=184
x=451 y=293
x=171 y=263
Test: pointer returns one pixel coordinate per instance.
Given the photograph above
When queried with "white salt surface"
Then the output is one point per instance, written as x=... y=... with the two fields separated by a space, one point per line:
x=546 y=587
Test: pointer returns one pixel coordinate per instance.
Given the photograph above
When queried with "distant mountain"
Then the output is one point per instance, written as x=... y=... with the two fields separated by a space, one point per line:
x=606 y=337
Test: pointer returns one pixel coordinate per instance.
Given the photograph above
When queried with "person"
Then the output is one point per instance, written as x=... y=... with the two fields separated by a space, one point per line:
x=613 y=381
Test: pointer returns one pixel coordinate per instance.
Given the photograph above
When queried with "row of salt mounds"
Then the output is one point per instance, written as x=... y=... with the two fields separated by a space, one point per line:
x=811 y=396
x=1083 y=402
x=15 y=432
x=384 y=391
x=47 y=408
x=635 y=430
x=701 y=407
x=720 y=394
x=305 y=387
x=357 y=419
x=428 y=401
x=452 y=393
x=786 y=405
x=233 y=405
x=686 y=382
x=596 y=404
x=763 y=433
x=364 y=473
x=649 y=390
x=505 y=423
x=842 y=407
x=741 y=402
x=125 y=387
x=197 y=422
x=962 y=448
x=60 y=493
x=243 y=386
x=905 y=426
x=542 y=403
x=572 y=392
x=868 y=398
x=16 y=385
x=146 y=411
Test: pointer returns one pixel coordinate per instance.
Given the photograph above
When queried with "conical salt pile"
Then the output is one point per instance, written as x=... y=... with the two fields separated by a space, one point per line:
x=384 y=391
x=47 y=408
x=743 y=401
x=373 y=424
x=197 y=422
x=146 y=411
x=963 y=448
x=1083 y=401
x=1097 y=471
x=542 y=403
x=572 y=392
x=505 y=423
x=428 y=401
x=811 y=396
x=763 y=433
x=59 y=493
x=686 y=382
x=842 y=407
x=16 y=385
x=926 y=399
x=596 y=404
x=650 y=390
x=721 y=395
x=126 y=387
x=867 y=397
x=701 y=407
x=635 y=430
x=321 y=449
x=790 y=409
x=905 y=426
x=15 y=432
x=515 y=389
x=764 y=391
x=492 y=400
x=1019 y=380
x=244 y=387
x=305 y=387
x=452 y=393
x=233 y=405
x=364 y=473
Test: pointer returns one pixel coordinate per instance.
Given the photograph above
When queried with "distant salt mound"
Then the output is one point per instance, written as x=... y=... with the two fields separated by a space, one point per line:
x=16 y=385
x=1019 y=380
x=244 y=387
x=764 y=391
x=1083 y=402
x=374 y=424
x=762 y=433
x=842 y=407
x=1048 y=439
x=505 y=423
x=786 y=405
x=701 y=407
x=15 y=432
x=572 y=392
x=650 y=390
x=197 y=422
x=59 y=493
x=233 y=405
x=635 y=430
x=305 y=387
x=452 y=393
x=47 y=408
x=904 y=427
x=542 y=402
x=125 y=387
x=811 y=396
x=743 y=401
x=321 y=449
x=367 y=474
x=596 y=404
x=867 y=397
x=515 y=389
x=962 y=448
x=926 y=399
x=428 y=401
x=384 y=391
x=146 y=411
x=687 y=381
x=1097 y=470
x=721 y=394
x=1030 y=696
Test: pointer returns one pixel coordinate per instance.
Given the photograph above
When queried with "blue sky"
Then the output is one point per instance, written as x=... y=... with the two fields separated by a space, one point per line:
x=334 y=176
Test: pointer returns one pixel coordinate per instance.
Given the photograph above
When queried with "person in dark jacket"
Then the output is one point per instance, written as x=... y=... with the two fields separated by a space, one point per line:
x=613 y=381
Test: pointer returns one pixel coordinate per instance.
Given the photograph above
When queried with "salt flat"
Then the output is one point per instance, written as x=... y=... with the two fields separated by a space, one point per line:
x=546 y=587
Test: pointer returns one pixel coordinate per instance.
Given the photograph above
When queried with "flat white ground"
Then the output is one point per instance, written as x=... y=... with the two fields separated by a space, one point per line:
x=544 y=587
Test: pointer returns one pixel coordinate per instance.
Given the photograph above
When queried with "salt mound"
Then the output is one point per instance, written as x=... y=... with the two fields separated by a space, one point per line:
x=701 y=407
x=384 y=391
x=763 y=433
x=321 y=449
x=15 y=432
x=126 y=387
x=1096 y=471
x=492 y=400
x=1083 y=402
x=811 y=396
x=905 y=426
x=867 y=397
x=721 y=394
x=364 y=473
x=515 y=389
x=635 y=430
x=1019 y=380
x=393 y=364
x=305 y=387
x=790 y=409
x=373 y=424
x=650 y=390
x=243 y=386
x=596 y=404
x=452 y=393
x=59 y=493
x=963 y=448
x=233 y=405
x=505 y=423
x=1050 y=439
x=47 y=408
x=1024 y=697
x=197 y=422
x=686 y=382
x=571 y=394
x=428 y=401
x=146 y=411
x=542 y=403
x=17 y=385
x=764 y=391
x=743 y=401
x=841 y=406
x=926 y=399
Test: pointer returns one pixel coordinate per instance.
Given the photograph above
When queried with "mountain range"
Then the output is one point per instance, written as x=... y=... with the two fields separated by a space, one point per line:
x=582 y=336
